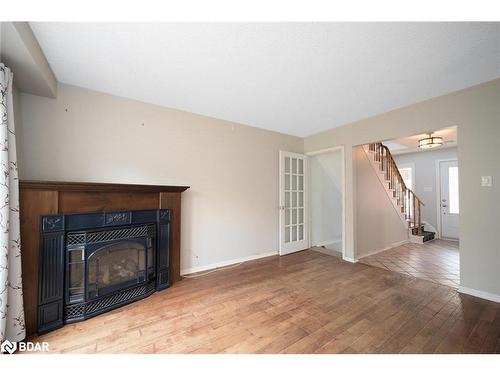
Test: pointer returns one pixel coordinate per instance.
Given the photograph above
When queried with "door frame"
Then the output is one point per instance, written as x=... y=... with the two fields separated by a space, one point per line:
x=438 y=196
x=306 y=200
x=342 y=158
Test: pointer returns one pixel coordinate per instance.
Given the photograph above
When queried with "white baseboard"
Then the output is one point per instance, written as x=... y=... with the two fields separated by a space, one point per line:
x=187 y=271
x=395 y=244
x=348 y=259
x=324 y=243
x=479 y=293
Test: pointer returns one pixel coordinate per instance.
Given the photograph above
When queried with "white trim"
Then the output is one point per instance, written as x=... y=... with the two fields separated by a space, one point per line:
x=225 y=263
x=392 y=246
x=349 y=259
x=438 y=198
x=340 y=148
x=324 y=243
x=479 y=294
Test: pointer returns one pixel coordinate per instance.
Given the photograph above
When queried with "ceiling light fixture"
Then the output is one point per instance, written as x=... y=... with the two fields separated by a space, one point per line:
x=430 y=141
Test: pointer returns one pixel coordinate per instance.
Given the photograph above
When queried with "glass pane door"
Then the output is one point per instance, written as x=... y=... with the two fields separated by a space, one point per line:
x=293 y=202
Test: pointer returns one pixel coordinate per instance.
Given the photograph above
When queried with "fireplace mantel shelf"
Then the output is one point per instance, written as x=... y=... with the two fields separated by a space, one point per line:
x=98 y=187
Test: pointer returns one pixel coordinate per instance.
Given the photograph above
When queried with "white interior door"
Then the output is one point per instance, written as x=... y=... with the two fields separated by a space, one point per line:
x=293 y=203
x=448 y=171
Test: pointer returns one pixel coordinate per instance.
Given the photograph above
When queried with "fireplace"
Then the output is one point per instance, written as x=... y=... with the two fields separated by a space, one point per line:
x=108 y=266
x=113 y=267
x=94 y=262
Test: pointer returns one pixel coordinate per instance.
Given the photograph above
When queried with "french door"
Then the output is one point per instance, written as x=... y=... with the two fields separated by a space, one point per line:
x=449 y=206
x=294 y=227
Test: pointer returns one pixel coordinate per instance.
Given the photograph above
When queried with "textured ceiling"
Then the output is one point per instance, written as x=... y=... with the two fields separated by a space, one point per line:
x=295 y=78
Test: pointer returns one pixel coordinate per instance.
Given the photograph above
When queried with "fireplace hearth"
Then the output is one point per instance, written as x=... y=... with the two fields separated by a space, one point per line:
x=94 y=262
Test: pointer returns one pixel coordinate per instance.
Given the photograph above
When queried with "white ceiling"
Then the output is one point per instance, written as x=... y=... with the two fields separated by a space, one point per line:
x=295 y=78
x=406 y=145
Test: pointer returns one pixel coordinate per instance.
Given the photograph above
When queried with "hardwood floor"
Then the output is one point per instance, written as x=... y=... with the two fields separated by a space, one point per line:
x=305 y=302
x=437 y=261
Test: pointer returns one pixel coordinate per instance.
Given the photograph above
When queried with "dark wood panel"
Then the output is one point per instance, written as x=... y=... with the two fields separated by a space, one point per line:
x=77 y=202
x=173 y=201
x=33 y=203
x=97 y=187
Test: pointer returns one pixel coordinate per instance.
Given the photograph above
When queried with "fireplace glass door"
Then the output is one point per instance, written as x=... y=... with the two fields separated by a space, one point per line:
x=116 y=266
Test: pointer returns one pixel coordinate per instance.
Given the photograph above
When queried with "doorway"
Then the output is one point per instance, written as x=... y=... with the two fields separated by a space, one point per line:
x=432 y=174
x=448 y=203
x=326 y=197
x=312 y=201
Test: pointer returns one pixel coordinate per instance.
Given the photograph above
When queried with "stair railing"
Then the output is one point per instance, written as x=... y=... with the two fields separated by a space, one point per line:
x=410 y=202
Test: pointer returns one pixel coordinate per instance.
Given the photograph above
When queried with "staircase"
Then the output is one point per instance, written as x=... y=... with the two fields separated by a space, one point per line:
x=406 y=203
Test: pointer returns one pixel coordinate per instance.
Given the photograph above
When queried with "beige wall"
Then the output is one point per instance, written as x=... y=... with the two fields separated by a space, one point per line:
x=231 y=209
x=378 y=224
x=476 y=112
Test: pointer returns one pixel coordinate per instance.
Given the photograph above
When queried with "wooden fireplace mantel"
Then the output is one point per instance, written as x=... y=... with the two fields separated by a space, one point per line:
x=98 y=187
x=50 y=197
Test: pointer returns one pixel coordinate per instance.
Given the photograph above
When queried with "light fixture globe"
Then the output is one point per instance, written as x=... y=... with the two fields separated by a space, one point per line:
x=430 y=141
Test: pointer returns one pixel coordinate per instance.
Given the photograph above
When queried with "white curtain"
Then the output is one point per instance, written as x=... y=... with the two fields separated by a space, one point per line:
x=12 y=325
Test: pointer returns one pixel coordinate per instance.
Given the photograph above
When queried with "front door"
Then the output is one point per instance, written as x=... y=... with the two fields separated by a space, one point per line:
x=293 y=203
x=449 y=209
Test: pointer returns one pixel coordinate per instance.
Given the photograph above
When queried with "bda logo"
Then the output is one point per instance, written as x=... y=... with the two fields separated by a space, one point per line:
x=28 y=346
x=8 y=347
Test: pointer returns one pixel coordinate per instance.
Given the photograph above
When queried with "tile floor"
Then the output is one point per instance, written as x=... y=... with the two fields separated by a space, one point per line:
x=436 y=261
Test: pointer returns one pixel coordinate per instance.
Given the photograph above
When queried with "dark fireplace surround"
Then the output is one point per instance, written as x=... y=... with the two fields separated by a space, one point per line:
x=94 y=262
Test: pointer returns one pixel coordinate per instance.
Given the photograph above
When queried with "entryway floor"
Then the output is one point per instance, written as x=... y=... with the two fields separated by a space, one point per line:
x=436 y=261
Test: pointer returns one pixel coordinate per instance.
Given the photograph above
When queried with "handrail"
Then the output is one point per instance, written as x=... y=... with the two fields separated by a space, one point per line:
x=401 y=192
x=416 y=196
x=389 y=155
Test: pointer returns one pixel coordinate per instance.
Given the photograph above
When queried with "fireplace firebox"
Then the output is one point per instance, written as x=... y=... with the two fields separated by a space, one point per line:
x=93 y=262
